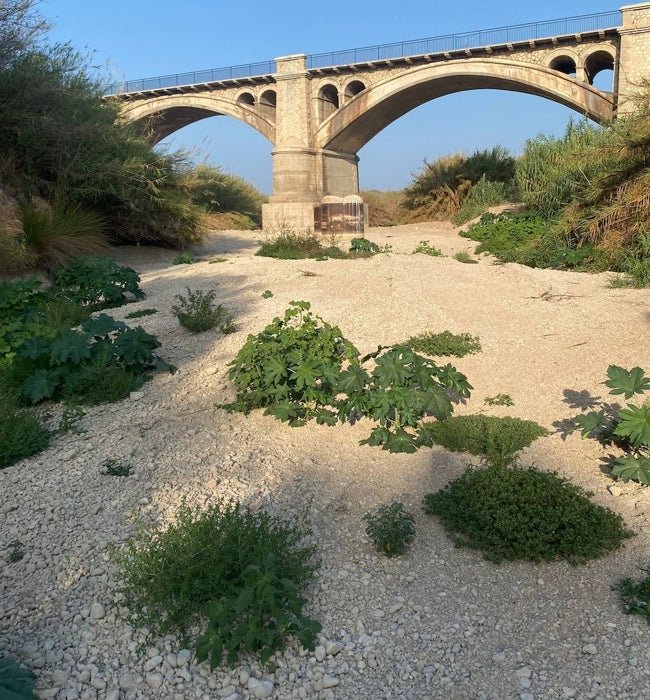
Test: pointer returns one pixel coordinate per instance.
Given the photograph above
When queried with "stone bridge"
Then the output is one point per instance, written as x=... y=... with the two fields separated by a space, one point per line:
x=318 y=111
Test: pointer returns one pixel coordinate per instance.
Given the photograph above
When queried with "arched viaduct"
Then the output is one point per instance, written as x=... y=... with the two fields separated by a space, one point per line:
x=317 y=118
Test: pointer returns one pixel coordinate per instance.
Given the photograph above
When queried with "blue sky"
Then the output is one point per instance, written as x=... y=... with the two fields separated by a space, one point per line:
x=145 y=38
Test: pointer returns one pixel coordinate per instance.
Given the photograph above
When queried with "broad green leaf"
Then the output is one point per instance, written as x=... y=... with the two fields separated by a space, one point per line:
x=352 y=380
x=306 y=374
x=41 y=385
x=628 y=383
x=286 y=411
x=275 y=370
x=33 y=348
x=70 y=346
x=436 y=403
x=635 y=425
x=634 y=468
x=101 y=326
x=136 y=346
x=391 y=368
x=379 y=436
x=590 y=423
x=325 y=417
x=401 y=441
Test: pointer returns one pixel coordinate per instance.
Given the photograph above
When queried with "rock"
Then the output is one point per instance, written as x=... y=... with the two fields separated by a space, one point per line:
x=136 y=395
x=153 y=662
x=128 y=681
x=319 y=653
x=260 y=689
x=154 y=680
x=60 y=677
x=589 y=649
x=329 y=681
x=183 y=657
x=333 y=648
x=97 y=611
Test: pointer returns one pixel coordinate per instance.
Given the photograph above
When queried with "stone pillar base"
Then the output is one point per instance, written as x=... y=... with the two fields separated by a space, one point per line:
x=287 y=216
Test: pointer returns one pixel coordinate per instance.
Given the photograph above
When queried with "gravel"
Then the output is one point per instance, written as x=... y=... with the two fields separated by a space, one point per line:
x=438 y=622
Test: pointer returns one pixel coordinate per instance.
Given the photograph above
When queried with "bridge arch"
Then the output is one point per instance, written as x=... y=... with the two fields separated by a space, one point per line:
x=365 y=115
x=172 y=112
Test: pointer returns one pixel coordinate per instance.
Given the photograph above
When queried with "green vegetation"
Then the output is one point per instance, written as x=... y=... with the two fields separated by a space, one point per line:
x=512 y=513
x=635 y=596
x=141 y=313
x=22 y=433
x=237 y=573
x=117 y=467
x=184 y=259
x=294 y=245
x=464 y=257
x=444 y=344
x=301 y=368
x=390 y=528
x=481 y=196
x=626 y=428
x=499 y=400
x=384 y=208
x=267 y=294
x=427 y=249
x=496 y=440
x=197 y=313
x=16 y=682
x=16 y=551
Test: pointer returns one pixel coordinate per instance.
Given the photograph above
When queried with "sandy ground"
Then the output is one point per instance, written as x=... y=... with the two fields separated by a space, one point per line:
x=547 y=338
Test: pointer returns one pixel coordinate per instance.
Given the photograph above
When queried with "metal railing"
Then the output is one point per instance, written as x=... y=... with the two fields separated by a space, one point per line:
x=403 y=49
x=469 y=40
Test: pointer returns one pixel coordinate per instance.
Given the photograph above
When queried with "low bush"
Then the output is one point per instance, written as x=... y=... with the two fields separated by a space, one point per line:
x=483 y=195
x=464 y=257
x=238 y=574
x=300 y=368
x=183 y=259
x=293 y=245
x=197 y=313
x=390 y=528
x=427 y=249
x=522 y=513
x=635 y=596
x=22 y=433
x=496 y=440
x=444 y=344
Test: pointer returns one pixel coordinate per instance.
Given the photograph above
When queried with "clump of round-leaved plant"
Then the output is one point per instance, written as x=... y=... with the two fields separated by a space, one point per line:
x=390 y=528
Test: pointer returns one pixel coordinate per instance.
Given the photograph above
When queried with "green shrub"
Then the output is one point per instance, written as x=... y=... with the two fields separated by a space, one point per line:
x=464 y=257
x=141 y=313
x=300 y=368
x=117 y=467
x=22 y=433
x=98 y=282
x=444 y=344
x=635 y=596
x=16 y=682
x=499 y=400
x=627 y=428
x=183 y=259
x=482 y=195
x=516 y=513
x=293 y=245
x=242 y=570
x=390 y=528
x=495 y=439
x=197 y=314
x=427 y=249
x=363 y=245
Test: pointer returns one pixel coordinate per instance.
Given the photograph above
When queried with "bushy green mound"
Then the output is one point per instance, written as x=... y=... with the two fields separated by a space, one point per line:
x=21 y=433
x=444 y=344
x=516 y=513
x=495 y=439
x=636 y=596
x=242 y=570
x=293 y=245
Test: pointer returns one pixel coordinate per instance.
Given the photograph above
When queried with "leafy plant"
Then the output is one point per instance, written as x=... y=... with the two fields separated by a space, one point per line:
x=184 y=259
x=363 y=245
x=141 y=312
x=391 y=528
x=627 y=428
x=102 y=360
x=16 y=682
x=495 y=439
x=464 y=257
x=294 y=245
x=217 y=260
x=267 y=294
x=300 y=368
x=635 y=596
x=196 y=312
x=98 y=282
x=70 y=418
x=238 y=573
x=22 y=434
x=499 y=400
x=481 y=196
x=427 y=249
x=514 y=513
x=117 y=467
x=16 y=552
x=444 y=344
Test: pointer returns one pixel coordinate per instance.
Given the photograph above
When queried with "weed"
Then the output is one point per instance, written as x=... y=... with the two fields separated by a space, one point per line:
x=217 y=260
x=242 y=570
x=16 y=552
x=184 y=259
x=497 y=440
x=197 y=314
x=267 y=294
x=499 y=400
x=464 y=257
x=627 y=428
x=635 y=596
x=390 y=528
x=141 y=313
x=363 y=245
x=117 y=467
x=22 y=433
x=70 y=418
x=427 y=249
x=444 y=344
x=292 y=245
x=522 y=513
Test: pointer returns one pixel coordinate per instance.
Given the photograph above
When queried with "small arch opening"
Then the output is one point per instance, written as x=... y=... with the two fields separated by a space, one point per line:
x=268 y=100
x=328 y=101
x=246 y=99
x=599 y=68
x=564 y=64
x=353 y=88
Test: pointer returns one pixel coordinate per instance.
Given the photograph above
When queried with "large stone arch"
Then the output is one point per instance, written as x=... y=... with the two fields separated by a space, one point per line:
x=364 y=116
x=169 y=113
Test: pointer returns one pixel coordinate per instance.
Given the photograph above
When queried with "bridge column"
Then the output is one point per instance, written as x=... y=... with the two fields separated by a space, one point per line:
x=295 y=161
x=634 y=56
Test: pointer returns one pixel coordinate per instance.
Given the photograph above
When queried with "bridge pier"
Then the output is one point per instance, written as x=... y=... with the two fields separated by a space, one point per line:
x=303 y=175
x=634 y=55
